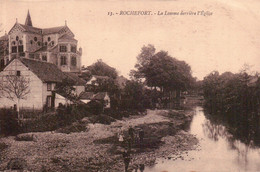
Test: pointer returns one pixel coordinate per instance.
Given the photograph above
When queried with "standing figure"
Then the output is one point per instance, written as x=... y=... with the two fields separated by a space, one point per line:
x=126 y=156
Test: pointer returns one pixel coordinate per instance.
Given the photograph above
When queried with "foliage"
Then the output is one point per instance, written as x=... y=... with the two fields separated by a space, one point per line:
x=8 y=122
x=102 y=69
x=24 y=137
x=161 y=70
x=103 y=119
x=66 y=89
x=231 y=92
x=3 y=146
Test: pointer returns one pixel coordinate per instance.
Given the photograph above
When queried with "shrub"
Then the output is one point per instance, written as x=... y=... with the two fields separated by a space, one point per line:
x=8 y=122
x=74 y=127
x=103 y=119
x=24 y=137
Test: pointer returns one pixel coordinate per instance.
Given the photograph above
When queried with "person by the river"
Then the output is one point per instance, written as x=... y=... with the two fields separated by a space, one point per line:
x=126 y=157
x=141 y=137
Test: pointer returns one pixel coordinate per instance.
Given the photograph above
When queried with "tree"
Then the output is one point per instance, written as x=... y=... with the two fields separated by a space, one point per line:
x=66 y=89
x=15 y=88
x=102 y=69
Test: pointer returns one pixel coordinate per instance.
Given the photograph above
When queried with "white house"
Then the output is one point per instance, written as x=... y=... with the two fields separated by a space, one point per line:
x=43 y=77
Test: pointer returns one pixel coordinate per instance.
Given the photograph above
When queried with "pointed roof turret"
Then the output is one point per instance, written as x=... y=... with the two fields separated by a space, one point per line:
x=28 y=20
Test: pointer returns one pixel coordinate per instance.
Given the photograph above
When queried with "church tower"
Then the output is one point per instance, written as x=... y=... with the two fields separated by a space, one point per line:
x=28 y=20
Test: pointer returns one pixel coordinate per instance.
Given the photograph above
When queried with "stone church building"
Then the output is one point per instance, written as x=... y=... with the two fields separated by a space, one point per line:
x=55 y=45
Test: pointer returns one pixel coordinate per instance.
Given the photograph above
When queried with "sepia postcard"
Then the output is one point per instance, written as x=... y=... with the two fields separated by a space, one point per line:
x=134 y=86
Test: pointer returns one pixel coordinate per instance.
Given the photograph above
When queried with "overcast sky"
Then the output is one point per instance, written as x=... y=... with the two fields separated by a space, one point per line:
x=223 y=41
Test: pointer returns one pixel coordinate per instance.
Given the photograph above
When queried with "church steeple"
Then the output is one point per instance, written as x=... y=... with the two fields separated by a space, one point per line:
x=28 y=20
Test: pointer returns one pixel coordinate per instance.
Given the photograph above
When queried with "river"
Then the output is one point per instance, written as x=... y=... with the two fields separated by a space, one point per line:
x=216 y=151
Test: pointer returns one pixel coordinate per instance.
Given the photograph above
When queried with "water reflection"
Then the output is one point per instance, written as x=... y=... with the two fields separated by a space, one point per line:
x=223 y=146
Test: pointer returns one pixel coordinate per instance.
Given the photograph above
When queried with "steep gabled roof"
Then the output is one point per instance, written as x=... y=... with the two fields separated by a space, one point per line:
x=47 y=72
x=30 y=29
x=75 y=79
x=100 y=96
x=86 y=95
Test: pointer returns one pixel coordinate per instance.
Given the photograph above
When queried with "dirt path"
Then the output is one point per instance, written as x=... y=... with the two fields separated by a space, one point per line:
x=51 y=151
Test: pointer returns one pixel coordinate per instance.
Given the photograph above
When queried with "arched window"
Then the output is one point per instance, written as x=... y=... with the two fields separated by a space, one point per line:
x=49 y=39
x=20 y=42
x=35 y=39
x=13 y=43
x=17 y=38
x=31 y=42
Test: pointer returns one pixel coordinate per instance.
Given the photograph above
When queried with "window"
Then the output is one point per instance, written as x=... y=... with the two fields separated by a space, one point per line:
x=20 y=48
x=31 y=56
x=18 y=73
x=49 y=87
x=17 y=38
x=63 y=60
x=39 y=43
x=14 y=49
x=45 y=43
x=44 y=58
x=13 y=42
x=35 y=39
x=37 y=56
x=52 y=43
x=73 y=61
x=20 y=42
x=49 y=101
x=31 y=42
x=73 y=49
x=2 y=64
x=63 y=48
x=49 y=39
x=6 y=60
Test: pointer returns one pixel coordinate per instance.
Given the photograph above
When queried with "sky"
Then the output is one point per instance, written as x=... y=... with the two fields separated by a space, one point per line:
x=223 y=41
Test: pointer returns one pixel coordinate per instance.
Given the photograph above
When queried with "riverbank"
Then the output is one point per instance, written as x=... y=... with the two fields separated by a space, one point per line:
x=98 y=148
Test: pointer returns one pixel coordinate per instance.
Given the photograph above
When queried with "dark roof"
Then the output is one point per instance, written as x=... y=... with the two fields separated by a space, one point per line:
x=92 y=96
x=4 y=38
x=75 y=78
x=99 y=96
x=86 y=95
x=49 y=72
x=31 y=29
x=66 y=38
x=52 y=30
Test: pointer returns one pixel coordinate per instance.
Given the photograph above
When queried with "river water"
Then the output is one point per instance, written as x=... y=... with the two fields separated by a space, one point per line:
x=216 y=151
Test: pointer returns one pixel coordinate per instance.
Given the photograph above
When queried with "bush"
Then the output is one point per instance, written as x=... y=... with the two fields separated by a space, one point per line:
x=103 y=119
x=74 y=127
x=24 y=137
x=9 y=122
